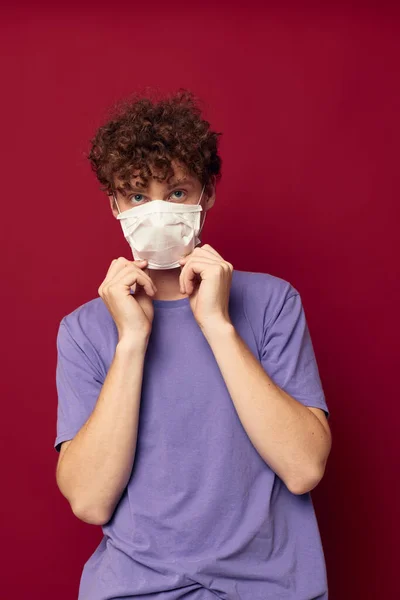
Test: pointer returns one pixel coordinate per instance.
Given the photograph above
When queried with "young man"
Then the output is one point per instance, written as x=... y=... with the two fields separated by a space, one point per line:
x=192 y=424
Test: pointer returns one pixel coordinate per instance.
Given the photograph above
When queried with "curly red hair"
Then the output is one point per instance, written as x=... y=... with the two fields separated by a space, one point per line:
x=145 y=135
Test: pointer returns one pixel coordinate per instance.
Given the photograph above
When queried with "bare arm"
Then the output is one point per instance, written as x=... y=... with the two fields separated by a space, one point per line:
x=94 y=469
x=290 y=438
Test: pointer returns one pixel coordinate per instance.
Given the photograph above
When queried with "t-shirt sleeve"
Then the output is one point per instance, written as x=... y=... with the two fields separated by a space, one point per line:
x=288 y=357
x=78 y=381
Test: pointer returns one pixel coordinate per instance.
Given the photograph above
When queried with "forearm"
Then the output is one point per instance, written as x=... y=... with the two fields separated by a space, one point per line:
x=97 y=464
x=287 y=435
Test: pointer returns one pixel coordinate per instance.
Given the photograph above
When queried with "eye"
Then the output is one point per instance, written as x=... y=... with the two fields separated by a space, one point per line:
x=137 y=198
x=180 y=194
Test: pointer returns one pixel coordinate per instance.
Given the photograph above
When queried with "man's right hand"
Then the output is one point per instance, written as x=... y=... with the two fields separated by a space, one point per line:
x=133 y=315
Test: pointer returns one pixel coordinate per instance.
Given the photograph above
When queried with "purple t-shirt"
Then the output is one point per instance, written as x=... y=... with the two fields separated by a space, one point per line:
x=203 y=516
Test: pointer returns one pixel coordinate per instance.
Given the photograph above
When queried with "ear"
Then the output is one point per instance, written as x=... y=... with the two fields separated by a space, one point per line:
x=210 y=192
x=113 y=205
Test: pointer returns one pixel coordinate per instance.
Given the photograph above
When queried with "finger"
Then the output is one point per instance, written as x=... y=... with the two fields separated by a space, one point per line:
x=183 y=261
x=120 y=263
x=116 y=266
x=147 y=272
x=191 y=269
x=138 y=277
x=205 y=251
x=134 y=274
x=211 y=250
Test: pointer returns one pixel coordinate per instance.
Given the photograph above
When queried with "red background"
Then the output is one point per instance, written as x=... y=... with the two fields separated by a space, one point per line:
x=307 y=98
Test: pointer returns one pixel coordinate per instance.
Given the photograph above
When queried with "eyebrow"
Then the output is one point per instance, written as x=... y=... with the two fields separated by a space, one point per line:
x=180 y=182
x=128 y=187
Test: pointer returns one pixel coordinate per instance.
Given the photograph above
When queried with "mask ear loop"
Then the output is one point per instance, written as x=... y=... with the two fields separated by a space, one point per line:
x=205 y=212
x=201 y=195
x=115 y=200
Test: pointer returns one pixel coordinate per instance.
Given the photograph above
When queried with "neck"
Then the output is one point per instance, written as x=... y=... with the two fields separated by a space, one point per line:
x=167 y=283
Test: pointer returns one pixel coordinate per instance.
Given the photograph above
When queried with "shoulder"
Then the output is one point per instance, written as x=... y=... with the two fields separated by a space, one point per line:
x=261 y=291
x=257 y=299
x=90 y=321
x=89 y=333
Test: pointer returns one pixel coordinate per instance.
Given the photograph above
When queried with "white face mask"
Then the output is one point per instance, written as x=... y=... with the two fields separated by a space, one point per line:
x=161 y=232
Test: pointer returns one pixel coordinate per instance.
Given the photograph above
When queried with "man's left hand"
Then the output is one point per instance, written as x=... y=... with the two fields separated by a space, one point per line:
x=206 y=277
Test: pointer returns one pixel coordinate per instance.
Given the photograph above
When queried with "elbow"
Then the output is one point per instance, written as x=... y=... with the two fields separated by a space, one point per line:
x=91 y=516
x=305 y=485
x=309 y=481
x=302 y=489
